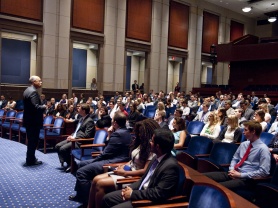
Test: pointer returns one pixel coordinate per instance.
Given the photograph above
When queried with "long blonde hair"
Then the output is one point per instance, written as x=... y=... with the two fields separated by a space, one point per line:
x=234 y=121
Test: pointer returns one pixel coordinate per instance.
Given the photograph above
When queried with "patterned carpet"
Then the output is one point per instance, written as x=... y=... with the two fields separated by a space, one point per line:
x=45 y=185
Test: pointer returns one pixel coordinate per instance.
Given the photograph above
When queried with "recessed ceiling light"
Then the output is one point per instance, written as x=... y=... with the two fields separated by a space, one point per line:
x=273 y=4
x=247 y=9
x=272 y=19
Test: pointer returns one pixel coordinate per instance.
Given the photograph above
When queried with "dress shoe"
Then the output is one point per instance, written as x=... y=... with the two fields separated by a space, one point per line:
x=68 y=169
x=75 y=198
x=33 y=164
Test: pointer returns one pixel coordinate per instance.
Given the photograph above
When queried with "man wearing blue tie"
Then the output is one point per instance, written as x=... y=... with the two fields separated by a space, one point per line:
x=160 y=180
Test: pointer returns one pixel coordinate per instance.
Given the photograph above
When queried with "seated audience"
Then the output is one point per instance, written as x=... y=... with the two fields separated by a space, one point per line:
x=159 y=182
x=117 y=150
x=160 y=107
x=64 y=100
x=140 y=105
x=274 y=128
x=10 y=104
x=137 y=166
x=177 y=113
x=105 y=119
x=222 y=117
x=122 y=109
x=228 y=107
x=273 y=147
x=85 y=129
x=159 y=118
x=259 y=116
x=185 y=109
x=203 y=115
x=267 y=116
x=212 y=128
x=133 y=116
x=248 y=112
x=243 y=168
x=60 y=111
x=179 y=133
x=232 y=132
x=239 y=115
x=3 y=102
x=70 y=113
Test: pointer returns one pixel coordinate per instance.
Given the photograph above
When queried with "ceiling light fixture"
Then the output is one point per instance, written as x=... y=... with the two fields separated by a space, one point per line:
x=247 y=9
x=272 y=19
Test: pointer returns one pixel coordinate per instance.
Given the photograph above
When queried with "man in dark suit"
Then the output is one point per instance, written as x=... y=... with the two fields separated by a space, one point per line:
x=33 y=118
x=85 y=129
x=117 y=150
x=135 y=86
x=159 y=182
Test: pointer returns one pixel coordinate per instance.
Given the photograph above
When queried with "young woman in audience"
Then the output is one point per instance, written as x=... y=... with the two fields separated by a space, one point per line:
x=160 y=107
x=259 y=116
x=133 y=115
x=212 y=128
x=64 y=100
x=222 y=116
x=231 y=133
x=140 y=158
x=70 y=114
x=239 y=115
x=179 y=133
x=267 y=116
x=10 y=104
x=105 y=119
x=60 y=111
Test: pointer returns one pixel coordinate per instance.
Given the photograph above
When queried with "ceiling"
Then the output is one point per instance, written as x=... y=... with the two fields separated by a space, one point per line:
x=259 y=7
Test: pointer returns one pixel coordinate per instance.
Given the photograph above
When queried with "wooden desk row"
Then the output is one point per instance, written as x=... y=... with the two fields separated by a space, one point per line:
x=196 y=176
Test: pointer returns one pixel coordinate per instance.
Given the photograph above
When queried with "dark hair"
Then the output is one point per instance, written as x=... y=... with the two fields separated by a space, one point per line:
x=181 y=124
x=144 y=131
x=85 y=107
x=120 y=118
x=165 y=139
x=254 y=126
x=261 y=114
x=179 y=110
x=105 y=110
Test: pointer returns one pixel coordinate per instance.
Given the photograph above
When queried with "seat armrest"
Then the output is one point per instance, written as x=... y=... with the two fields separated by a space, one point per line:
x=92 y=145
x=225 y=165
x=128 y=180
x=181 y=148
x=81 y=140
x=175 y=201
x=202 y=155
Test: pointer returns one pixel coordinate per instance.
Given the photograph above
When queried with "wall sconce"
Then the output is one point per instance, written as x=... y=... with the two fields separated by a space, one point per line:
x=272 y=19
x=247 y=9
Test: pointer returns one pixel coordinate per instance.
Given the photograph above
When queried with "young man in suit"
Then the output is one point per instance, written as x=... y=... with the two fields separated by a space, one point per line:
x=117 y=150
x=85 y=129
x=160 y=180
x=135 y=86
x=33 y=118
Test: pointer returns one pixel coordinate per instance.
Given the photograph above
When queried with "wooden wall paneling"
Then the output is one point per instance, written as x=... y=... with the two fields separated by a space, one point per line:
x=178 y=25
x=236 y=30
x=88 y=15
x=139 y=20
x=30 y=9
x=210 y=31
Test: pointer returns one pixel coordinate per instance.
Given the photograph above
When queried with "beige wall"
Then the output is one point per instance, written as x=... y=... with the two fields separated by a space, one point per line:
x=109 y=67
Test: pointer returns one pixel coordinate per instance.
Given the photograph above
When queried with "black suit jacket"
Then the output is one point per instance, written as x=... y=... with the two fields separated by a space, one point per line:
x=117 y=149
x=163 y=183
x=33 y=109
x=135 y=87
x=4 y=103
x=87 y=128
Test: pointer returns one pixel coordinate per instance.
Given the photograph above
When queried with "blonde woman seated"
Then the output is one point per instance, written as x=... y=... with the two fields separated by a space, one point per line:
x=267 y=116
x=212 y=128
x=231 y=133
x=179 y=133
x=160 y=107
x=137 y=166
x=259 y=116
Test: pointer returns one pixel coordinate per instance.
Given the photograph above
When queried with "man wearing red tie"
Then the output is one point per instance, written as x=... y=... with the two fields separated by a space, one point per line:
x=251 y=160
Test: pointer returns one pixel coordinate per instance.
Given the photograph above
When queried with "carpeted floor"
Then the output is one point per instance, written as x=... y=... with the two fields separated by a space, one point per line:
x=45 y=185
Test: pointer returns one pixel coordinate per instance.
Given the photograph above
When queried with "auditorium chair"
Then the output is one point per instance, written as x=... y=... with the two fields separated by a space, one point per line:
x=2 y=113
x=266 y=138
x=87 y=151
x=150 y=111
x=195 y=127
x=267 y=193
x=170 y=111
x=199 y=146
x=15 y=123
x=219 y=158
x=52 y=132
x=6 y=119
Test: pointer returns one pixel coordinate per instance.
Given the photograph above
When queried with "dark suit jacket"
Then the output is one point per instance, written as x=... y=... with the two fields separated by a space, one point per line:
x=87 y=128
x=117 y=149
x=4 y=103
x=164 y=125
x=33 y=109
x=163 y=183
x=135 y=87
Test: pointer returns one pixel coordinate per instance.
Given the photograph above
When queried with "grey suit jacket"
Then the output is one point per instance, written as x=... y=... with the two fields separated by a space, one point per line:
x=248 y=114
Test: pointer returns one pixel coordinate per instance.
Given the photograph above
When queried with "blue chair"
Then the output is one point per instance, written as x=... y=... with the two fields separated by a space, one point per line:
x=198 y=146
x=267 y=193
x=170 y=111
x=52 y=132
x=150 y=111
x=15 y=123
x=219 y=159
x=195 y=127
x=19 y=105
x=2 y=113
x=205 y=195
x=267 y=127
x=6 y=120
x=266 y=137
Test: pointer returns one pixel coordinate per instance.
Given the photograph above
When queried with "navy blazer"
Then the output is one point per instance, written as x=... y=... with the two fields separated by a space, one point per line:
x=117 y=149
x=33 y=108
x=163 y=183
